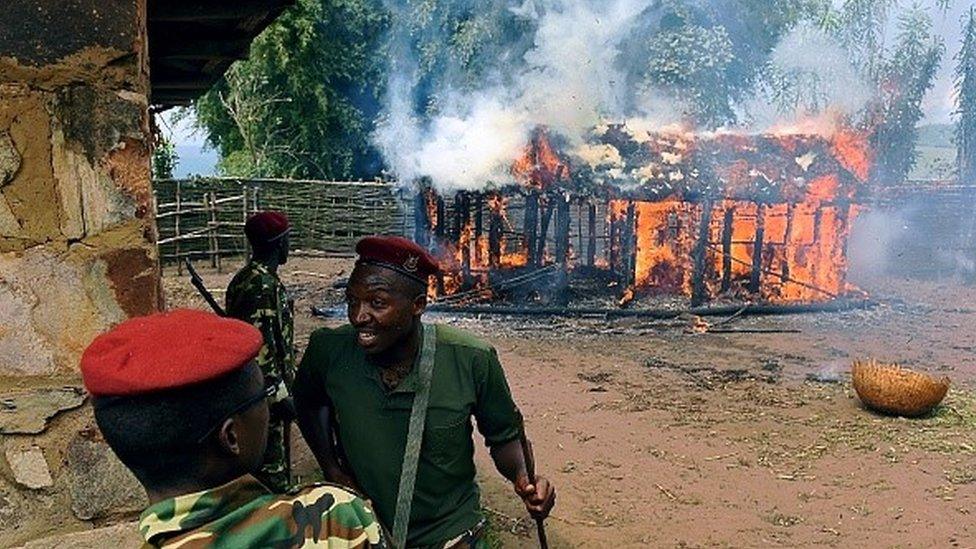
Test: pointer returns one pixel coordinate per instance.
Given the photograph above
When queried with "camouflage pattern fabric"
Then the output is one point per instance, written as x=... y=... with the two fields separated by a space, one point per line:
x=275 y=472
x=243 y=514
x=258 y=297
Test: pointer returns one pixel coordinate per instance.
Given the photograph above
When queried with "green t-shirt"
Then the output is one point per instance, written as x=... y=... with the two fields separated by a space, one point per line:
x=372 y=423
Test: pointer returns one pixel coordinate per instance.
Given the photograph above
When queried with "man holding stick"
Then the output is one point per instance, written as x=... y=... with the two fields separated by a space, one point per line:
x=398 y=395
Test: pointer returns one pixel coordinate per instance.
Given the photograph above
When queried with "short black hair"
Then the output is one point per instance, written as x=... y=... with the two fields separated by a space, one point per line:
x=155 y=435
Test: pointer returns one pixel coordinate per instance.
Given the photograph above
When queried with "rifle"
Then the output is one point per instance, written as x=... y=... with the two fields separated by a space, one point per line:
x=529 y=458
x=204 y=292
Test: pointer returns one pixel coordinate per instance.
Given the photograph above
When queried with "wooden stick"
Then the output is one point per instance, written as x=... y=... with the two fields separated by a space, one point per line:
x=698 y=288
x=529 y=458
x=531 y=225
x=179 y=265
x=755 y=278
x=591 y=241
x=728 y=227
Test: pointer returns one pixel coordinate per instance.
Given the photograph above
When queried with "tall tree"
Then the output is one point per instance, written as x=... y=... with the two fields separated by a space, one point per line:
x=903 y=80
x=303 y=103
x=966 y=101
x=712 y=54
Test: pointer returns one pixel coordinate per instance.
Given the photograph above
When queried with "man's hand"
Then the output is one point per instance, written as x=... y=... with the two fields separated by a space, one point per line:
x=538 y=498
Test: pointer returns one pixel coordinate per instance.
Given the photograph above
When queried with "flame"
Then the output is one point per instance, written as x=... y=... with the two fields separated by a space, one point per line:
x=540 y=166
x=786 y=195
x=853 y=152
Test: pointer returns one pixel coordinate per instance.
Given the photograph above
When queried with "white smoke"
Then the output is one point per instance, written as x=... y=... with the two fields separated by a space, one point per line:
x=570 y=83
x=574 y=78
x=813 y=74
x=873 y=235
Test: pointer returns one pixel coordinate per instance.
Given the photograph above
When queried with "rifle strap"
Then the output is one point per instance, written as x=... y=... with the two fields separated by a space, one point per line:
x=415 y=435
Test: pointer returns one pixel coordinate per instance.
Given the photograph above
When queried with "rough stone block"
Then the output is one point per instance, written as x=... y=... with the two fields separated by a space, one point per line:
x=27 y=412
x=9 y=158
x=100 y=485
x=119 y=535
x=29 y=467
x=53 y=305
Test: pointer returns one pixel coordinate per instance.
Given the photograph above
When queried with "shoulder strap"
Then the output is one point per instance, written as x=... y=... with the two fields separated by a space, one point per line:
x=415 y=435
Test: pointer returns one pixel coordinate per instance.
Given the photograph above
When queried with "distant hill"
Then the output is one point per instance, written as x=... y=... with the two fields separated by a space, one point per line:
x=937 y=135
x=195 y=160
x=936 y=152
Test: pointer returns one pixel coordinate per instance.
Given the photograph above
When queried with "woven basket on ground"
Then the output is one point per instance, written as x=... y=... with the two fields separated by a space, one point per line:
x=891 y=389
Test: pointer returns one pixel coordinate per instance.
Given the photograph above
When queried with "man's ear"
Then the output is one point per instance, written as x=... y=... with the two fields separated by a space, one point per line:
x=420 y=304
x=228 y=437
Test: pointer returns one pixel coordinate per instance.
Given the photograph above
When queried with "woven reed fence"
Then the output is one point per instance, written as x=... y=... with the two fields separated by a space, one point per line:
x=204 y=218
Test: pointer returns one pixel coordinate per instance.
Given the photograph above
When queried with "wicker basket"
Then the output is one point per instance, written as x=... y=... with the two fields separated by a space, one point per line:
x=891 y=389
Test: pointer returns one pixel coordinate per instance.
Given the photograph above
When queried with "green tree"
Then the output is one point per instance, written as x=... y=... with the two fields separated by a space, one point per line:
x=903 y=80
x=164 y=159
x=966 y=98
x=713 y=54
x=304 y=102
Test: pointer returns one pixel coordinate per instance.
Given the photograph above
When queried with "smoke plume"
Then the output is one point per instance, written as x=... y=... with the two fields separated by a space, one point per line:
x=570 y=81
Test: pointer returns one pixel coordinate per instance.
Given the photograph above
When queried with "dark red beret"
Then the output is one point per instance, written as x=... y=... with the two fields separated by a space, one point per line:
x=399 y=254
x=264 y=227
x=166 y=351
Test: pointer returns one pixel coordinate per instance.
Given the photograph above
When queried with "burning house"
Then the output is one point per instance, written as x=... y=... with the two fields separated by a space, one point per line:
x=709 y=217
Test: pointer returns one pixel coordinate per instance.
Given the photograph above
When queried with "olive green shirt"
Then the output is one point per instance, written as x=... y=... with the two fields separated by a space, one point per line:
x=372 y=423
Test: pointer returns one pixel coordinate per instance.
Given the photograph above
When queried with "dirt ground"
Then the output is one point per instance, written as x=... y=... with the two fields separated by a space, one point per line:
x=655 y=436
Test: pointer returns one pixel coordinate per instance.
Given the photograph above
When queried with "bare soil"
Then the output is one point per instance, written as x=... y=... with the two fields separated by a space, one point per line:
x=656 y=436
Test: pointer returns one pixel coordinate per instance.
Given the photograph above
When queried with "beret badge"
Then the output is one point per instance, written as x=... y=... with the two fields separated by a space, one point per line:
x=411 y=263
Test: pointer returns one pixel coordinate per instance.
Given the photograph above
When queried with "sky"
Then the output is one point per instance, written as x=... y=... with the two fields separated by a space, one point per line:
x=939 y=103
x=196 y=158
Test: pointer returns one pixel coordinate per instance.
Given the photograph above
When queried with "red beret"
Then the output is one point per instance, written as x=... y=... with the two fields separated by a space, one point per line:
x=399 y=254
x=264 y=227
x=166 y=351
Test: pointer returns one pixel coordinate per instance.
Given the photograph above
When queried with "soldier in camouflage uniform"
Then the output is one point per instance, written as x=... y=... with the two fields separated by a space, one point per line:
x=256 y=295
x=180 y=401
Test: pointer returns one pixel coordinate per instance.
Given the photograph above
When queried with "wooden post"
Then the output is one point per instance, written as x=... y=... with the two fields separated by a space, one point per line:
x=628 y=247
x=531 y=224
x=439 y=239
x=728 y=228
x=785 y=274
x=495 y=237
x=817 y=227
x=440 y=227
x=216 y=231
x=755 y=278
x=699 y=291
x=211 y=232
x=562 y=230
x=421 y=221
x=540 y=254
x=591 y=241
x=176 y=222
x=614 y=242
x=463 y=216
x=244 y=243
x=479 y=205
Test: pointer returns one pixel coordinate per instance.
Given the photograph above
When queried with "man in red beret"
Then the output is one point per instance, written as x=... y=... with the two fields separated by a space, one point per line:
x=257 y=296
x=181 y=402
x=398 y=396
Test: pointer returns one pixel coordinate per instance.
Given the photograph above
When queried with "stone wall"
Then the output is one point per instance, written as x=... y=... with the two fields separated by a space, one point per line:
x=77 y=249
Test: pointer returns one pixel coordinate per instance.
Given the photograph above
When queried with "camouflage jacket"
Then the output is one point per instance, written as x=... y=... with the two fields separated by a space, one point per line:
x=243 y=514
x=258 y=297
